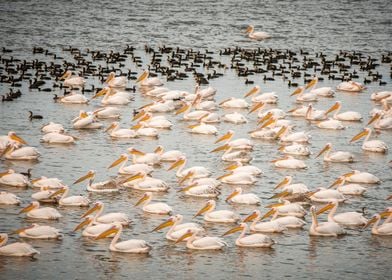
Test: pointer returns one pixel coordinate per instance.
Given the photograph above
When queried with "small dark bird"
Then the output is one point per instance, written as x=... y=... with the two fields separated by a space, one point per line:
x=27 y=173
x=37 y=117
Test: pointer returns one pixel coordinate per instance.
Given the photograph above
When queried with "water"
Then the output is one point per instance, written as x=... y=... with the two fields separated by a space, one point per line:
x=313 y=26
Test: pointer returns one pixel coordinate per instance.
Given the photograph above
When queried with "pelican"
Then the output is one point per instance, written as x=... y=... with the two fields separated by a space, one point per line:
x=23 y=153
x=295 y=149
x=324 y=229
x=380 y=122
x=219 y=216
x=315 y=115
x=288 y=209
x=292 y=188
x=129 y=246
x=153 y=208
x=271 y=226
x=11 y=139
x=256 y=240
x=322 y=91
x=111 y=98
x=205 y=93
x=350 y=86
x=146 y=158
x=300 y=136
x=235 y=118
x=45 y=195
x=168 y=156
x=260 y=35
x=299 y=112
x=203 y=128
x=195 y=242
x=267 y=97
x=160 y=106
x=142 y=129
x=237 y=144
x=346 y=116
x=130 y=169
x=238 y=167
x=145 y=183
x=107 y=113
x=144 y=80
x=50 y=183
x=381 y=95
x=370 y=145
x=101 y=187
x=285 y=221
x=243 y=198
x=47 y=213
x=190 y=115
x=197 y=171
x=115 y=131
x=155 y=91
x=72 y=81
x=75 y=200
x=52 y=127
x=36 y=231
x=232 y=102
x=176 y=228
x=13 y=179
x=93 y=229
x=331 y=124
x=207 y=105
x=238 y=178
x=199 y=190
x=85 y=121
x=322 y=195
x=345 y=219
x=290 y=163
x=7 y=198
x=338 y=156
x=304 y=97
x=357 y=176
x=156 y=121
x=236 y=155
x=107 y=218
x=73 y=98
x=384 y=229
x=17 y=249
x=57 y=138
x=116 y=82
x=349 y=189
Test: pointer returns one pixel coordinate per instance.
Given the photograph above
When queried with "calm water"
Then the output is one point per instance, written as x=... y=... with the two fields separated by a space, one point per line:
x=110 y=25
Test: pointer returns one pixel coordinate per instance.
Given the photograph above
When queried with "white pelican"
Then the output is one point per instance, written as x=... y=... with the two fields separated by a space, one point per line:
x=357 y=176
x=238 y=178
x=324 y=229
x=45 y=195
x=370 y=145
x=270 y=226
x=168 y=156
x=345 y=116
x=300 y=136
x=219 y=216
x=17 y=249
x=36 y=231
x=196 y=242
x=292 y=188
x=155 y=91
x=75 y=200
x=295 y=149
x=130 y=169
x=153 y=208
x=23 y=153
x=338 y=156
x=276 y=113
x=314 y=114
x=85 y=121
x=233 y=155
x=11 y=139
x=381 y=95
x=203 y=128
x=381 y=122
x=238 y=167
x=207 y=105
x=350 y=86
x=115 y=131
x=259 y=35
x=7 y=198
x=142 y=182
x=47 y=213
x=349 y=189
x=146 y=81
x=256 y=240
x=384 y=229
x=102 y=187
x=50 y=183
x=142 y=129
x=146 y=158
x=73 y=98
x=176 y=228
x=331 y=124
x=289 y=162
x=112 y=98
x=159 y=106
x=13 y=179
x=235 y=118
x=304 y=97
x=243 y=198
x=156 y=121
x=232 y=102
x=265 y=133
x=57 y=138
x=285 y=221
x=322 y=195
x=206 y=93
x=322 y=91
x=287 y=208
x=107 y=113
x=190 y=115
x=346 y=218
x=237 y=144
x=129 y=246
x=116 y=82
x=197 y=171
x=52 y=127
x=93 y=229
x=199 y=190
x=72 y=81
x=267 y=97
x=299 y=111
x=107 y=218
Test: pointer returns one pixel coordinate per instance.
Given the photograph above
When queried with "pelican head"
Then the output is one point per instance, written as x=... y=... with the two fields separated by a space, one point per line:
x=240 y=227
x=89 y=175
x=101 y=92
x=334 y=107
x=256 y=107
x=143 y=76
x=33 y=205
x=84 y=223
x=113 y=125
x=122 y=158
x=286 y=180
x=187 y=234
x=254 y=90
x=363 y=133
x=97 y=206
x=12 y=135
x=375 y=117
x=327 y=147
x=227 y=136
x=167 y=223
x=237 y=191
x=146 y=196
x=327 y=207
x=255 y=215
x=210 y=205
x=221 y=148
x=312 y=83
x=110 y=77
x=112 y=230
x=66 y=75
x=249 y=29
x=180 y=162
x=298 y=90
